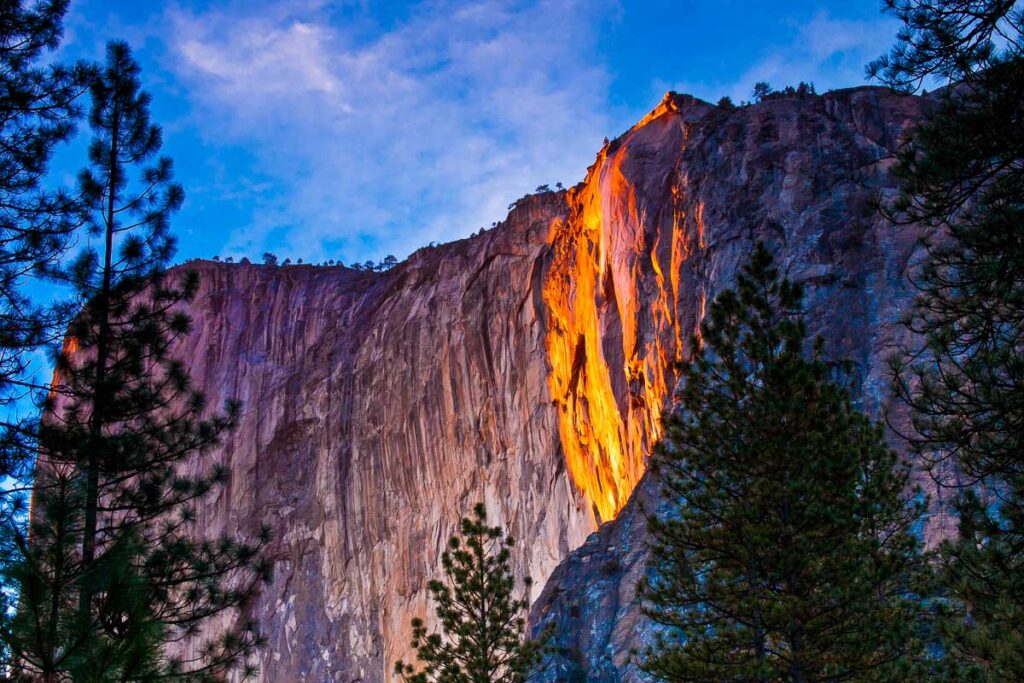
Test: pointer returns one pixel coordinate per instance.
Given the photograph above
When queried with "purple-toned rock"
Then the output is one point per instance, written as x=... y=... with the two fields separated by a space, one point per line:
x=527 y=367
x=800 y=174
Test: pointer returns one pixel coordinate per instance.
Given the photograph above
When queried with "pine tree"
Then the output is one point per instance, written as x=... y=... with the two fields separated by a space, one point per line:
x=954 y=40
x=38 y=111
x=482 y=623
x=783 y=550
x=962 y=174
x=762 y=91
x=115 y=577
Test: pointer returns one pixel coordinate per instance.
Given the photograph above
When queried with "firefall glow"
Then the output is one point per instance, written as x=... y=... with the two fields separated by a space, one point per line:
x=69 y=349
x=609 y=382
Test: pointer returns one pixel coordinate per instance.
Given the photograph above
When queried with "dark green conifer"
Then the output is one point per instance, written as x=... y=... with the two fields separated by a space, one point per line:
x=38 y=111
x=962 y=174
x=483 y=624
x=783 y=550
x=116 y=579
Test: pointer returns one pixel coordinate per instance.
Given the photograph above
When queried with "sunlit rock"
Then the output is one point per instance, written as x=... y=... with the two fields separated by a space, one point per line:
x=527 y=367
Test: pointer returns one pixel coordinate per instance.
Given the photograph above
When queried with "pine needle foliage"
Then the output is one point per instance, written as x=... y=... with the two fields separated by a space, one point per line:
x=962 y=174
x=483 y=624
x=116 y=579
x=951 y=40
x=39 y=109
x=784 y=550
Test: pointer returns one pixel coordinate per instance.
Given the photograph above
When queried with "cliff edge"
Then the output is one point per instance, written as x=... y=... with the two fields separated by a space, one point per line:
x=528 y=367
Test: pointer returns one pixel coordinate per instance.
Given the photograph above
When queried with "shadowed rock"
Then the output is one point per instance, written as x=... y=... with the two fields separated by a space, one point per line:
x=527 y=367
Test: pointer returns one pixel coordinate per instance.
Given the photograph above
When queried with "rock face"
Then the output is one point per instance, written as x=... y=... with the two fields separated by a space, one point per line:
x=527 y=367
x=799 y=174
x=378 y=409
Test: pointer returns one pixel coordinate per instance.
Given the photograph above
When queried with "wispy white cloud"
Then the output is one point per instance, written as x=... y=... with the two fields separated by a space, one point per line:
x=286 y=60
x=422 y=132
x=827 y=51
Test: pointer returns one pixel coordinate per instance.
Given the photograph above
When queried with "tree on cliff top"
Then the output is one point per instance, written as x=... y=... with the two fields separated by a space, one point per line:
x=482 y=623
x=762 y=90
x=783 y=552
x=114 y=569
x=962 y=175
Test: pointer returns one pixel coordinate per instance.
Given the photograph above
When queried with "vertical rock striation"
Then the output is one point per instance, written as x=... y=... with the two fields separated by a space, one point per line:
x=800 y=174
x=377 y=409
x=527 y=367
x=615 y=328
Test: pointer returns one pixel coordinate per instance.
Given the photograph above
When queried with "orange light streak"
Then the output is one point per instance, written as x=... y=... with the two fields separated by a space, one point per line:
x=609 y=383
x=69 y=349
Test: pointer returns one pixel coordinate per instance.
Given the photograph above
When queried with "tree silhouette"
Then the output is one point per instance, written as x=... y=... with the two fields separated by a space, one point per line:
x=482 y=622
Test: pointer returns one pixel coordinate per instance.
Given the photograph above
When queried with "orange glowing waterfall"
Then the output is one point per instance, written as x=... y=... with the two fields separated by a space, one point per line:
x=610 y=347
x=69 y=349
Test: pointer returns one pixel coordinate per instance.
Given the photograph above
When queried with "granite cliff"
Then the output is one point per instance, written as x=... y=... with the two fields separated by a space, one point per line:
x=527 y=367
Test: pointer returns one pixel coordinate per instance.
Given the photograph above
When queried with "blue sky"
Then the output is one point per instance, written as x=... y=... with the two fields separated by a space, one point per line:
x=351 y=130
